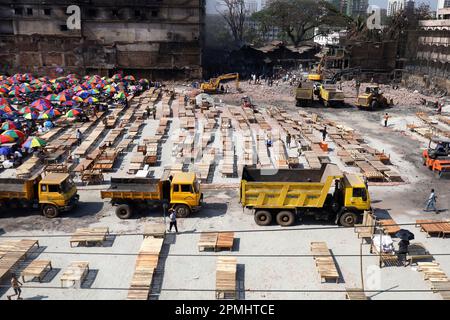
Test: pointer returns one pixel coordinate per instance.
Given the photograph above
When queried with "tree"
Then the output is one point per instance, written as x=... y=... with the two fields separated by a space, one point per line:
x=235 y=14
x=298 y=19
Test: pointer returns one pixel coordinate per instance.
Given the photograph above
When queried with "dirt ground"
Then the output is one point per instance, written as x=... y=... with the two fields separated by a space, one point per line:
x=273 y=262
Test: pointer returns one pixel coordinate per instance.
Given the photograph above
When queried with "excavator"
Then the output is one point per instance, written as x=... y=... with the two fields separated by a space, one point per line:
x=214 y=84
x=318 y=76
x=437 y=156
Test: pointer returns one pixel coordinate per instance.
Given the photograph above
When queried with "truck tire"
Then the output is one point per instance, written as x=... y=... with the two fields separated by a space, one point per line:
x=182 y=211
x=263 y=218
x=124 y=211
x=285 y=218
x=348 y=219
x=374 y=105
x=50 y=211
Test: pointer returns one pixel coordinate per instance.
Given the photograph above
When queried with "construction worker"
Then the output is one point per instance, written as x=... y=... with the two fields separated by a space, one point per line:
x=324 y=133
x=288 y=140
x=173 y=220
x=358 y=85
x=431 y=202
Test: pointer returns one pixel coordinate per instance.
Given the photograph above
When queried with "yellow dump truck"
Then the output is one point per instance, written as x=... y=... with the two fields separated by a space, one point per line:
x=304 y=94
x=180 y=192
x=372 y=99
x=330 y=96
x=284 y=195
x=52 y=193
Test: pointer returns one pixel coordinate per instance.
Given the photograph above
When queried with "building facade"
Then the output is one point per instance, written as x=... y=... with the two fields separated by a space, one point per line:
x=354 y=8
x=395 y=6
x=443 y=9
x=153 y=38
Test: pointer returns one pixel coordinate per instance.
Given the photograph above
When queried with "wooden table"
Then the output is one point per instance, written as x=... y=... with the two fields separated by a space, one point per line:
x=89 y=235
x=389 y=226
x=76 y=272
x=152 y=229
x=37 y=269
x=324 y=262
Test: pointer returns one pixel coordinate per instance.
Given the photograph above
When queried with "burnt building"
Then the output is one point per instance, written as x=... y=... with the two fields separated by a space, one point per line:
x=151 y=38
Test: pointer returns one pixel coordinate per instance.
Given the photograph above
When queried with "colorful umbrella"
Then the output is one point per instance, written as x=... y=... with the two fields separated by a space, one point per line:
x=120 y=95
x=109 y=89
x=10 y=125
x=73 y=113
x=15 y=134
x=25 y=110
x=34 y=142
x=53 y=113
x=45 y=116
x=6 y=139
x=7 y=108
x=41 y=104
x=4 y=102
x=31 y=116
x=130 y=78
x=91 y=100
x=77 y=99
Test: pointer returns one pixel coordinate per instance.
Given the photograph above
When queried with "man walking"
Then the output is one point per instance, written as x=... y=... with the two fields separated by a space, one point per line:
x=173 y=220
x=15 y=284
x=324 y=133
x=79 y=137
x=386 y=118
x=431 y=202
x=358 y=85
x=288 y=140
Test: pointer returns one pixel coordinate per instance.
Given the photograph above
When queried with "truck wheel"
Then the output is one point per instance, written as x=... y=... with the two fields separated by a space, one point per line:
x=263 y=218
x=348 y=219
x=182 y=211
x=374 y=105
x=50 y=211
x=124 y=211
x=285 y=218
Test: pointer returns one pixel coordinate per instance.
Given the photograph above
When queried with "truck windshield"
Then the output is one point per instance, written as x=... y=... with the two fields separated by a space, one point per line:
x=66 y=185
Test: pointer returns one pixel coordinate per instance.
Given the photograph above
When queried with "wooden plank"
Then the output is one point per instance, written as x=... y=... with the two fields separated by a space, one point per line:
x=207 y=241
x=37 y=269
x=225 y=240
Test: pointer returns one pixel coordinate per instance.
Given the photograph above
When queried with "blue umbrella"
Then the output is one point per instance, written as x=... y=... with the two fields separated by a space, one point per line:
x=4 y=151
x=48 y=124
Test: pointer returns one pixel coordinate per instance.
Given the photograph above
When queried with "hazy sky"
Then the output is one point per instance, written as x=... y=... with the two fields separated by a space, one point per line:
x=383 y=3
x=210 y=4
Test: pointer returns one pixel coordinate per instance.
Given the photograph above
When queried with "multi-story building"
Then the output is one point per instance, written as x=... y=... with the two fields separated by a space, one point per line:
x=395 y=6
x=355 y=8
x=151 y=38
x=443 y=9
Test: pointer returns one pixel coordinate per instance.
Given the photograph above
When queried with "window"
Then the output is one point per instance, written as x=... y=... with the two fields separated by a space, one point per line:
x=447 y=4
x=29 y=11
x=359 y=193
x=43 y=187
x=63 y=27
x=53 y=188
x=176 y=188
x=137 y=13
x=115 y=12
x=48 y=12
x=155 y=13
x=18 y=11
x=186 y=188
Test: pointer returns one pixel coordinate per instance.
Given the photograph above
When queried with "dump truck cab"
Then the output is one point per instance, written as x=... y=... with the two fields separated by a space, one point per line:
x=437 y=156
x=356 y=195
x=185 y=194
x=56 y=193
x=371 y=99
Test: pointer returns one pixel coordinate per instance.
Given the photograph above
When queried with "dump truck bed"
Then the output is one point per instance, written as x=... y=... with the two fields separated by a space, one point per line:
x=287 y=188
x=16 y=189
x=332 y=94
x=134 y=188
x=305 y=92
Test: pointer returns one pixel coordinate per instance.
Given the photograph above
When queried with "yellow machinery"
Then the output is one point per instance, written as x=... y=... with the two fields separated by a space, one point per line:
x=52 y=193
x=372 y=99
x=180 y=191
x=214 y=84
x=290 y=193
x=330 y=96
x=318 y=76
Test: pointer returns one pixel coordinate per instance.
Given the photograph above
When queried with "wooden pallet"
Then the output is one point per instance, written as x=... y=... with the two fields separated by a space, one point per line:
x=389 y=226
x=434 y=227
x=86 y=236
x=441 y=287
x=37 y=269
x=225 y=240
x=207 y=241
x=75 y=273
x=226 y=278
x=152 y=229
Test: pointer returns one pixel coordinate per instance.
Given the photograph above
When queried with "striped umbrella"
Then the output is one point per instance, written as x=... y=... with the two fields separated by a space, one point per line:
x=25 y=110
x=10 y=125
x=73 y=113
x=31 y=116
x=41 y=104
x=15 y=134
x=34 y=142
x=129 y=78
x=7 y=108
x=77 y=99
x=6 y=139
x=91 y=100
x=53 y=112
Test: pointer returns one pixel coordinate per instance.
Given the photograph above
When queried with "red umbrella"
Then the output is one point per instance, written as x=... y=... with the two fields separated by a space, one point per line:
x=6 y=139
x=41 y=104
